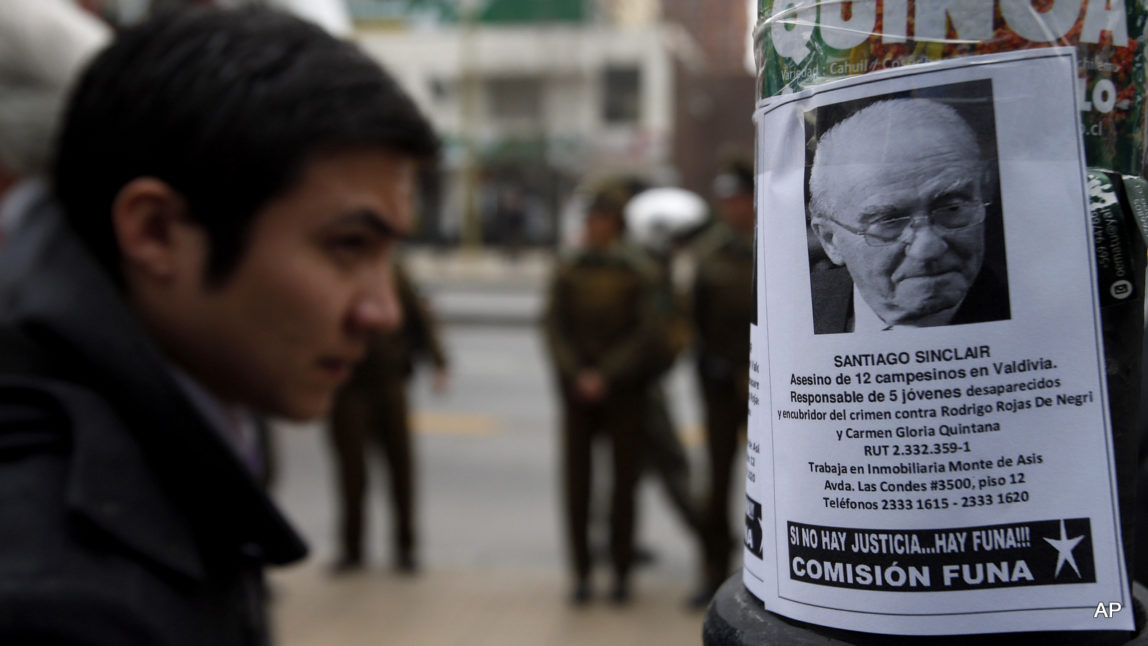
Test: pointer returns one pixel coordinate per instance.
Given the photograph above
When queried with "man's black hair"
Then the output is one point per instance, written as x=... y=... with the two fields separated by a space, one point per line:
x=611 y=195
x=226 y=107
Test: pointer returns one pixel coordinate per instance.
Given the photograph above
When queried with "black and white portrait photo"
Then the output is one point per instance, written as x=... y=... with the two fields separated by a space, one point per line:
x=903 y=211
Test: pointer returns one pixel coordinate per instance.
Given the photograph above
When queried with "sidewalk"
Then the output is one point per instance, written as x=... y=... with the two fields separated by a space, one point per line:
x=482 y=287
x=491 y=534
x=472 y=607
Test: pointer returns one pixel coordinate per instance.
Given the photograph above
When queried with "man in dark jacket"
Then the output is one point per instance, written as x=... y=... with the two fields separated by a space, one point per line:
x=227 y=191
x=723 y=308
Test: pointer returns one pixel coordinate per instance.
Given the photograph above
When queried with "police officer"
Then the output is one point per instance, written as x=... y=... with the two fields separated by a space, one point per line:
x=373 y=407
x=661 y=221
x=722 y=309
x=600 y=319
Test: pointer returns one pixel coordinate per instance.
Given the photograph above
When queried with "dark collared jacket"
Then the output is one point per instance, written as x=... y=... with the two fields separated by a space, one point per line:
x=124 y=516
x=723 y=303
x=602 y=313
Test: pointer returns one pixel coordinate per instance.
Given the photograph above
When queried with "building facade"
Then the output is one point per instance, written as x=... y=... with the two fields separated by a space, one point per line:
x=713 y=88
x=532 y=97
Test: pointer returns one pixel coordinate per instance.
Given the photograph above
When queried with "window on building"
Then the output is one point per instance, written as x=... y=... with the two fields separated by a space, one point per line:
x=621 y=95
x=517 y=99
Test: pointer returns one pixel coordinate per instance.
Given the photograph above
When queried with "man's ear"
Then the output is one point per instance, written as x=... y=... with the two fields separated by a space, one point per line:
x=826 y=236
x=148 y=218
x=988 y=184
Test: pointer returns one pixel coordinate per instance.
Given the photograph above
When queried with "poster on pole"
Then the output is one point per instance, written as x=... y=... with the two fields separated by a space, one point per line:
x=929 y=444
x=753 y=555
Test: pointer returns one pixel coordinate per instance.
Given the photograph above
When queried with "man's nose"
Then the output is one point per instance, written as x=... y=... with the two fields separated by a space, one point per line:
x=378 y=308
x=924 y=242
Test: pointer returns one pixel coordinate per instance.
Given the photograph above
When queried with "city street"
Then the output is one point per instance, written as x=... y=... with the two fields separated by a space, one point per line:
x=493 y=565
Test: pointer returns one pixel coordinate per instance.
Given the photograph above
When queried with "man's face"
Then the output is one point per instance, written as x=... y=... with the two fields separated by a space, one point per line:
x=285 y=329
x=602 y=228
x=927 y=271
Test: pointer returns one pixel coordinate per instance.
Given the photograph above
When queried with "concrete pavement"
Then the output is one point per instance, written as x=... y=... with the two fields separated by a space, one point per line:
x=472 y=607
x=490 y=534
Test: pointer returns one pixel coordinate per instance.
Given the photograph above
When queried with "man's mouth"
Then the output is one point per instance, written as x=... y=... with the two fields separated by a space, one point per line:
x=339 y=367
x=926 y=272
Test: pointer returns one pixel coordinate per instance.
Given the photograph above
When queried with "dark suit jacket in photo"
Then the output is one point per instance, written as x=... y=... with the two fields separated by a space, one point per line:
x=832 y=290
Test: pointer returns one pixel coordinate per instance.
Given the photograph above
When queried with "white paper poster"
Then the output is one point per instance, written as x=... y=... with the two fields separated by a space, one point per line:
x=929 y=443
x=754 y=534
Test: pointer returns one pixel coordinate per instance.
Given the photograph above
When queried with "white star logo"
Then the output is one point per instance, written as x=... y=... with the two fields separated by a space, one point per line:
x=1064 y=546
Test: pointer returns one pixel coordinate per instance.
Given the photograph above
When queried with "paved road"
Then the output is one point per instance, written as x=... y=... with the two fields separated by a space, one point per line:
x=494 y=569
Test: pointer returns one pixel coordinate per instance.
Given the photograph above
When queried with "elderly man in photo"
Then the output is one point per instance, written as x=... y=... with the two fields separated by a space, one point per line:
x=227 y=192
x=898 y=197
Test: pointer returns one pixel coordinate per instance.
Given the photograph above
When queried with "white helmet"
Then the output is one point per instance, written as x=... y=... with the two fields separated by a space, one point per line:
x=657 y=217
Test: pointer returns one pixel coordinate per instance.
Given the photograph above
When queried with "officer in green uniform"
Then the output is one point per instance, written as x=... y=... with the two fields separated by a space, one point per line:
x=599 y=322
x=722 y=310
x=372 y=406
x=660 y=222
x=665 y=454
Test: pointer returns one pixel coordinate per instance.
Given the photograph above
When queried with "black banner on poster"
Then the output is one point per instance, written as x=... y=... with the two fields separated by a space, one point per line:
x=1045 y=552
x=753 y=532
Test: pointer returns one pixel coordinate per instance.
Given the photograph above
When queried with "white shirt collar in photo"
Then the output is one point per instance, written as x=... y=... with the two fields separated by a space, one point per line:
x=866 y=320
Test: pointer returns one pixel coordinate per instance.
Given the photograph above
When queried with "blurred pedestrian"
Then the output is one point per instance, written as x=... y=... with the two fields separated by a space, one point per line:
x=664 y=454
x=46 y=42
x=227 y=191
x=600 y=319
x=660 y=221
x=722 y=310
x=373 y=407
x=43 y=45
x=28 y=118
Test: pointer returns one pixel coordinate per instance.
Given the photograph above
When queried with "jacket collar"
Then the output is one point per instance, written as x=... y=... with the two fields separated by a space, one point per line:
x=58 y=297
x=110 y=486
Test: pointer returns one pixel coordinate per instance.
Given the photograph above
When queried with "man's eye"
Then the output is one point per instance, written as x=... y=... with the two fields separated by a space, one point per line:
x=953 y=198
x=349 y=244
x=888 y=229
x=948 y=209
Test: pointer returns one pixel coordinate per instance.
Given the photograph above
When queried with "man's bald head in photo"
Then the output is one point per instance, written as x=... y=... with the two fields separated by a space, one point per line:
x=897 y=196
